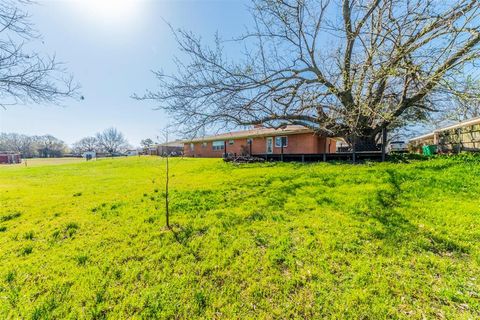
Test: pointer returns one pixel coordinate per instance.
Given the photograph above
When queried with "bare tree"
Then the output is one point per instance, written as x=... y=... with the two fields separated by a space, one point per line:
x=23 y=144
x=49 y=147
x=344 y=68
x=27 y=76
x=112 y=141
x=146 y=144
x=87 y=144
x=466 y=101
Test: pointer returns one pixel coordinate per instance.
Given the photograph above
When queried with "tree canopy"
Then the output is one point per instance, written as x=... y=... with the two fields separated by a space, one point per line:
x=27 y=76
x=344 y=68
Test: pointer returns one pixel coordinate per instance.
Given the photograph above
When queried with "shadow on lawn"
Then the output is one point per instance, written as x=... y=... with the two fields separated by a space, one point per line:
x=398 y=229
x=182 y=236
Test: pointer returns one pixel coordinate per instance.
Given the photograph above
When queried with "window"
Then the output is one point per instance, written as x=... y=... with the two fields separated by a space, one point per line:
x=279 y=141
x=218 y=145
x=192 y=146
x=249 y=141
x=230 y=142
x=204 y=145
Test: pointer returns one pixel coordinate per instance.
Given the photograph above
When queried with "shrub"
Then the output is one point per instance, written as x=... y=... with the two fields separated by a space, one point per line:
x=27 y=250
x=81 y=260
x=29 y=235
x=70 y=229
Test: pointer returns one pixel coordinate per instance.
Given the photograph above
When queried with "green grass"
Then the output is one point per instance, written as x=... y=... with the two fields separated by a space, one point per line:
x=87 y=240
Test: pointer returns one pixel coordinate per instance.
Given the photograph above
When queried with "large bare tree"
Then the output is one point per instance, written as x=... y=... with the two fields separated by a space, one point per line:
x=345 y=68
x=27 y=76
x=49 y=146
x=21 y=143
x=87 y=144
x=112 y=141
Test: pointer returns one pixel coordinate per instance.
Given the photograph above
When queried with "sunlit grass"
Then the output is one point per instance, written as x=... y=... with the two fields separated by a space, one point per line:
x=87 y=240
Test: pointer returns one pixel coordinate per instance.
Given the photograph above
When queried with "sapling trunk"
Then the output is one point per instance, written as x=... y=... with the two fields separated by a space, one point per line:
x=167 y=213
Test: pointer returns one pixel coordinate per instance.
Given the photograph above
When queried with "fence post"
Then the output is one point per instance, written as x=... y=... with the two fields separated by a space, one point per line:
x=354 y=149
x=384 y=143
x=281 y=156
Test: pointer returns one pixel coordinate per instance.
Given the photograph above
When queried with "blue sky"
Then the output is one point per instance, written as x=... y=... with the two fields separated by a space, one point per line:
x=110 y=48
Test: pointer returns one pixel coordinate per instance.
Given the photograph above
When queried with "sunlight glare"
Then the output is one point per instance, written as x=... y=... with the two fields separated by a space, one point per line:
x=109 y=11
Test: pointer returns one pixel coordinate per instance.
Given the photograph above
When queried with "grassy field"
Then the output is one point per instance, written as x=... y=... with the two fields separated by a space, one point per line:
x=36 y=162
x=372 y=241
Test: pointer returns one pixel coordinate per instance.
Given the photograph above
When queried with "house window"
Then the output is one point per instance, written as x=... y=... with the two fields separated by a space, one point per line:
x=204 y=145
x=218 y=145
x=192 y=146
x=230 y=142
x=279 y=141
x=249 y=141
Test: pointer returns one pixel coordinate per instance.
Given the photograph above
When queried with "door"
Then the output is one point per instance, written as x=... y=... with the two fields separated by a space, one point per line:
x=269 y=145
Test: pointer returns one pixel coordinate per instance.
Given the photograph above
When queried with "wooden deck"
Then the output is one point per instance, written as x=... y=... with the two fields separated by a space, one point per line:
x=323 y=157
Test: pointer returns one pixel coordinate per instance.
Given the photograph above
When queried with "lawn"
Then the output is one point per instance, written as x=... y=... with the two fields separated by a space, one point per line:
x=47 y=161
x=267 y=241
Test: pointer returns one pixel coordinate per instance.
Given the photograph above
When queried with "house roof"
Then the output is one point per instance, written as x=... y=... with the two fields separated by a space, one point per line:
x=462 y=124
x=176 y=143
x=466 y=123
x=256 y=132
x=423 y=137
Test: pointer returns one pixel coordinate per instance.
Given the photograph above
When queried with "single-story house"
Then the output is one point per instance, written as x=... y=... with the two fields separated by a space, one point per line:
x=463 y=136
x=291 y=139
x=10 y=158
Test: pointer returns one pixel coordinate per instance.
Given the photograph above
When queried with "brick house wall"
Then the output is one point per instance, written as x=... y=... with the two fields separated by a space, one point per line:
x=304 y=143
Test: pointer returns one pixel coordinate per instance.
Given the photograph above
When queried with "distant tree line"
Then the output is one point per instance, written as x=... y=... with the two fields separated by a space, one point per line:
x=110 y=141
x=46 y=146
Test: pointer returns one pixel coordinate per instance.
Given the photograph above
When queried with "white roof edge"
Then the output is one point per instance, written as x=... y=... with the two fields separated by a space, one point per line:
x=460 y=124
x=422 y=137
x=453 y=126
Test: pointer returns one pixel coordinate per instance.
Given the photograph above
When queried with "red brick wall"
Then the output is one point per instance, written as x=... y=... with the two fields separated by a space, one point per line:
x=304 y=143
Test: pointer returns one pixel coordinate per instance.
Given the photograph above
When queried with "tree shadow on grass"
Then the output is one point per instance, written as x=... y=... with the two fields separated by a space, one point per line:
x=398 y=230
x=436 y=167
x=182 y=236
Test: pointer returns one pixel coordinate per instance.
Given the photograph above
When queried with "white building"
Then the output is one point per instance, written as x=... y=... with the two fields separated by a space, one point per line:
x=132 y=153
x=89 y=155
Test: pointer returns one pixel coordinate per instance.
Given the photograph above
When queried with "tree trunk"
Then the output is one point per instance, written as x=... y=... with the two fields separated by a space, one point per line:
x=363 y=143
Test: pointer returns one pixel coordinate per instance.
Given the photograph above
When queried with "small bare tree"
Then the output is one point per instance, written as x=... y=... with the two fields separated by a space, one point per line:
x=27 y=77
x=346 y=68
x=166 y=136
